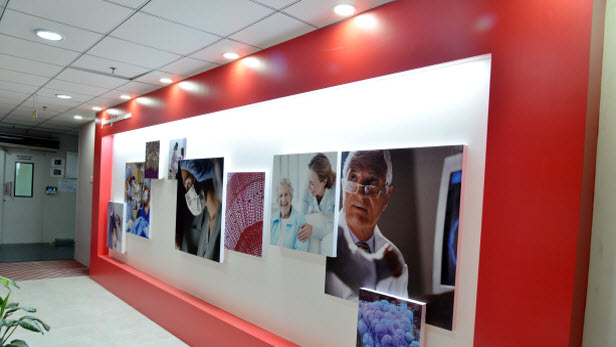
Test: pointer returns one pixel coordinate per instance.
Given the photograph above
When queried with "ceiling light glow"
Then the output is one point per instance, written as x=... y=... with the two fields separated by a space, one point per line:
x=63 y=96
x=77 y=117
x=166 y=80
x=125 y=97
x=344 y=10
x=252 y=62
x=96 y=108
x=366 y=21
x=48 y=35
x=231 y=55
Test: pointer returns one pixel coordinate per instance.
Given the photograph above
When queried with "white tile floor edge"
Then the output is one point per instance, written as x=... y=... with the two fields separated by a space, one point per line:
x=82 y=313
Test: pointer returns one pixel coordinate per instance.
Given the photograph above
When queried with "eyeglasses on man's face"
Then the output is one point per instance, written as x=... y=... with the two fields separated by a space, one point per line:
x=370 y=190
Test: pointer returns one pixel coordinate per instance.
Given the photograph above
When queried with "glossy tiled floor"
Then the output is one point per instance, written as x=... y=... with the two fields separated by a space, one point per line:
x=82 y=313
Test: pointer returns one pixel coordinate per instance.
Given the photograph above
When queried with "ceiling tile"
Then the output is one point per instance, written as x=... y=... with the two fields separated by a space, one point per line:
x=96 y=15
x=25 y=112
x=12 y=103
x=277 y=4
x=22 y=120
x=112 y=48
x=91 y=79
x=104 y=102
x=9 y=94
x=163 y=34
x=155 y=76
x=28 y=66
x=68 y=120
x=23 y=26
x=17 y=87
x=272 y=31
x=20 y=77
x=115 y=95
x=12 y=99
x=137 y=88
x=219 y=17
x=28 y=49
x=320 y=12
x=188 y=67
x=51 y=93
x=214 y=52
x=129 y=3
x=95 y=63
x=70 y=87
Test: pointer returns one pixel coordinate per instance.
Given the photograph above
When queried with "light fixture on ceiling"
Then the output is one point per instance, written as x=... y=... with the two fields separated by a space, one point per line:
x=96 y=108
x=48 y=35
x=78 y=117
x=344 y=10
x=166 y=80
x=231 y=55
x=125 y=97
x=63 y=96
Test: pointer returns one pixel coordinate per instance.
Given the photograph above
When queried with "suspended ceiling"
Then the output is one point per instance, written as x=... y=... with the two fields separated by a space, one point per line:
x=143 y=41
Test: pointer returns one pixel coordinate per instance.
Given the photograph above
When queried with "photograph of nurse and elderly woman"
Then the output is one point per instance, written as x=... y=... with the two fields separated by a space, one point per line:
x=137 y=199
x=304 y=202
x=115 y=234
x=199 y=206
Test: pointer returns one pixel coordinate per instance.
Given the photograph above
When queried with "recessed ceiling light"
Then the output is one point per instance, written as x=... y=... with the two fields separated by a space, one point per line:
x=48 y=35
x=231 y=55
x=63 y=96
x=166 y=80
x=125 y=97
x=344 y=9
x=96 y=108
x=77 y=116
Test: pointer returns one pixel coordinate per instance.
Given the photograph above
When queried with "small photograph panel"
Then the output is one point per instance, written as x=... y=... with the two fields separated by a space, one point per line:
x=303 y=209
x=116 y=237
x=244 y=212
x=152 y=157
x=199 y=207
x=177 y=152
x=137 y=199
x=384 y=320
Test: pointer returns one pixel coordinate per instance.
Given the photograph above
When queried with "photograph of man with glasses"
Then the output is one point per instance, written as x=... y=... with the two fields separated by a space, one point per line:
x=398 y=227
x=365 y=257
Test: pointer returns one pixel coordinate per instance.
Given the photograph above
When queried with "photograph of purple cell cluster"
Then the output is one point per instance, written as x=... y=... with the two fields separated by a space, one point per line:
x=385 y=321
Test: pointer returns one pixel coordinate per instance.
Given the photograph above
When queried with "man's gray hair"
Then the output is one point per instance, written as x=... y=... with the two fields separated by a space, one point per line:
x=286 y=181
x=386 y=158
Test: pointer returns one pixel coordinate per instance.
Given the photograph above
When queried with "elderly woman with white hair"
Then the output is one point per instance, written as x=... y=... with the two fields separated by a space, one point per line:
x=288 y=221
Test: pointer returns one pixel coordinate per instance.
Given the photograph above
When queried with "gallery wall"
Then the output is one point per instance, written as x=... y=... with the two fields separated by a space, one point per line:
x=539 y=175
x=601 y=302
x=265 y=291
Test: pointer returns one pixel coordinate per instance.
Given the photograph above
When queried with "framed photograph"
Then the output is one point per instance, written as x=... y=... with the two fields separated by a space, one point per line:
x=385 y=320
x=137 y=198
x=304 y=202
x=177 y=152
x=244 y=212
x=198 y=223
x=152 y=157
x=396 y=204
x=116 y=237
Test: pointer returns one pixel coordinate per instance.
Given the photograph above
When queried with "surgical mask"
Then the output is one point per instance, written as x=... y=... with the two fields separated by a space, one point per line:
x=195 y=201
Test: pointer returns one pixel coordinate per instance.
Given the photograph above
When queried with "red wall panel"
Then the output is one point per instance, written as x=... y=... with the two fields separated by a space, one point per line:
x=534 y=243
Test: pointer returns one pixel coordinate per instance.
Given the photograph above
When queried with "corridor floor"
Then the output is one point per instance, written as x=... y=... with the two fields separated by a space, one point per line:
x=82 y=313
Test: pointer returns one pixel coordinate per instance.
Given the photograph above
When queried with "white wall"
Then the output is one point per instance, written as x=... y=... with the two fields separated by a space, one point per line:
x=283 y=292
x=83 y=210
x=601 y=298
x=42 y=218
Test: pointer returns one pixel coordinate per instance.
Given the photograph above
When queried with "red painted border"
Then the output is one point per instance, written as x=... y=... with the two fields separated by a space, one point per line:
x=535 y=234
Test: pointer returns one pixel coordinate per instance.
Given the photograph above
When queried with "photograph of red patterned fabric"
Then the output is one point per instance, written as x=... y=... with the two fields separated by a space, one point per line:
x=244 y=212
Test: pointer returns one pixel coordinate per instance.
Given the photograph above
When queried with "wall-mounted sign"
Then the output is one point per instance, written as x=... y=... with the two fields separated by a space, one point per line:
x=24 y=157
x=115 y=118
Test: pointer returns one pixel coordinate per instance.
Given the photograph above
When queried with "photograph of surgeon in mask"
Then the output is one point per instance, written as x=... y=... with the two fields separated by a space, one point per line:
x=199 y=208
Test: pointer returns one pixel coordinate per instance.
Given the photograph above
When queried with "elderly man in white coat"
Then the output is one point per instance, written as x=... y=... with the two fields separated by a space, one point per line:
x=365 y=258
